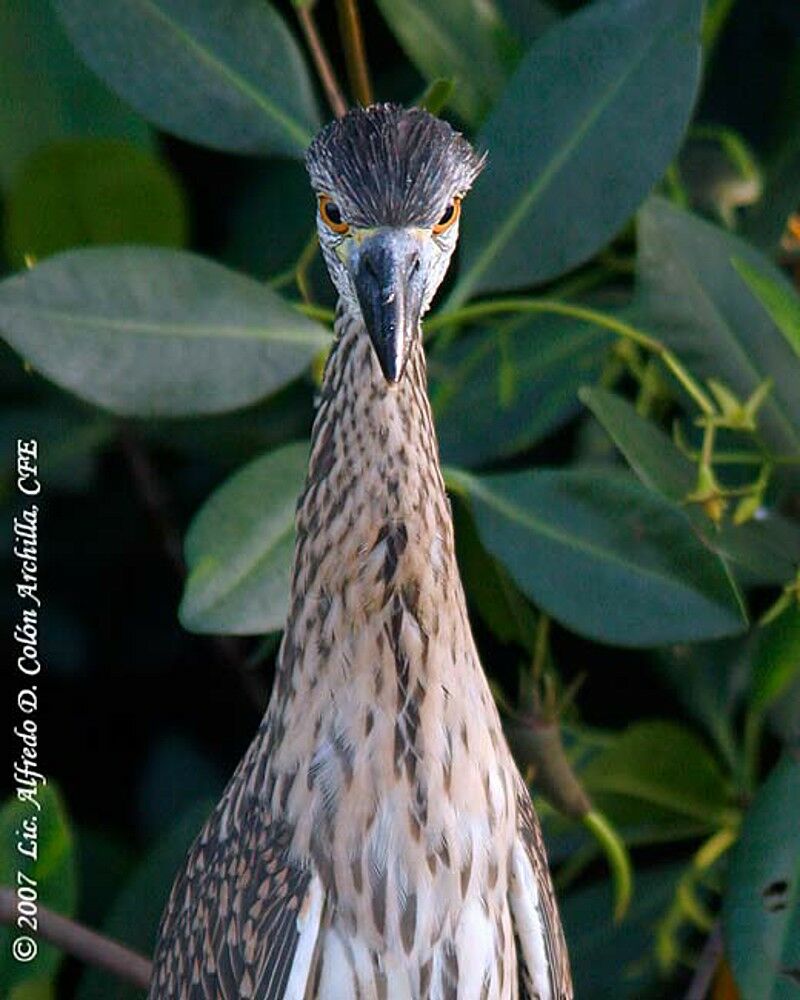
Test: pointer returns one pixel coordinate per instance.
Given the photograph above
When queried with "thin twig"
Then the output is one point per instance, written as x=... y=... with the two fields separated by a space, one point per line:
x=81 y=942
x=355 y=51
x=154 y=497
x=706 y=965
x=321 y=61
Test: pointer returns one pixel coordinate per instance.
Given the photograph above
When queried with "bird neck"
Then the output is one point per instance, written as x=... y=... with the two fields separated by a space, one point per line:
x=374 y=506
x=373 y=522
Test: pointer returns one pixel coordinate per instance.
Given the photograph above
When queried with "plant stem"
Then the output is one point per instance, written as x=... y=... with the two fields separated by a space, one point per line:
x=304 y=261
x=706 y=966
x=81 y=942
x=479 y=310
x=315 y=312
x=355 y=52
x=321 y=61
x=618 y=859
x=540 y=643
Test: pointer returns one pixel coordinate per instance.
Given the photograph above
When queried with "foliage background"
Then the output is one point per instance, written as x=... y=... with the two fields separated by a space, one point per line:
x=633 y=588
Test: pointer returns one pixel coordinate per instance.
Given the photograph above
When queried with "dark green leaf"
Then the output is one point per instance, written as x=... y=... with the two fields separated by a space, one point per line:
x=437 y=95
x=155 y=332
x=528 y=19
x=780 y=300
x=588 y=123
x=649 y=452
x=701 y=308
x=661 y=765
x=239 y=548
x=38 y=989
x=47 y=92
x=605 y=556
x=761 y=907
x=489 y=587
x=710 y=681
x=610 y=960
x=83 y=191
x=53 y=871
x=764 y=550
x=270 y=219
x=134 y=916
x=227 y=74
x=776 y=658
x=463 y=39
x=499 y=390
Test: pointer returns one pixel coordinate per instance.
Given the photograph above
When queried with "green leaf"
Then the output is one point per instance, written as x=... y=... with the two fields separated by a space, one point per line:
x=39 y=989
x=53 y=871
x=489 y=587
x=650 y=453
x=150 y=332
x=604 y=556
x=780 y=300
x=227 y=74
x=47 y=91
x=268 y=224
x=710 y=679
x=239 y=548
x=81 y=191
x=698 y=305
x=763 y=550
x=761 y=907
x=662 y=765
x=776 y=658
x=610 y=959
x=528 y=19
x=587 y=125
x=437 y=95
x=463 y=39
x=511 y=384
x=134 y=917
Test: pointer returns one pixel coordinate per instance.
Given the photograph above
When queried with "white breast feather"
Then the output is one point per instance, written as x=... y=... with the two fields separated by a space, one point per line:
x=524 y=900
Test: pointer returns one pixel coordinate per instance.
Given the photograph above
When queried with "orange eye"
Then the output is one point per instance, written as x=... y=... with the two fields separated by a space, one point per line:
x=332 y=215
x=449 y=216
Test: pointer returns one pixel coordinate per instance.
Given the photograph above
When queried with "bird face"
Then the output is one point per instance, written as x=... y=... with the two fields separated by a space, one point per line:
x=389 y=185
x=390 y=272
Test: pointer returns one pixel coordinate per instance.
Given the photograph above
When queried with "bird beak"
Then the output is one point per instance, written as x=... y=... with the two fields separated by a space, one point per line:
x=389 y=283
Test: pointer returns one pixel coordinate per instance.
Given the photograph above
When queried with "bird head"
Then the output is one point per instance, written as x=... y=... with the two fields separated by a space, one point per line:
x=389 y=183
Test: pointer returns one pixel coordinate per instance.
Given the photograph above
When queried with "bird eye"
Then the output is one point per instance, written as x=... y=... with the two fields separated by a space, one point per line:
x=449 y=216
x=332 y=215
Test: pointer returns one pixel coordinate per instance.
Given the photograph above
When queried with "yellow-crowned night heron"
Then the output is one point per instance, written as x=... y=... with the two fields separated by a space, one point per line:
x=377 y=840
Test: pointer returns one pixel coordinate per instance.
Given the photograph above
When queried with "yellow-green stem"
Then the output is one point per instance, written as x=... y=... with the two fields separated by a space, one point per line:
x=315 y=312
x=480 y=310
x=618 y=859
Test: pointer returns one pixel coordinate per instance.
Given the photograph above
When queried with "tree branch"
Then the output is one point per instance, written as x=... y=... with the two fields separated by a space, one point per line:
x=323 y=65
x=79 y=941
x=355 y=51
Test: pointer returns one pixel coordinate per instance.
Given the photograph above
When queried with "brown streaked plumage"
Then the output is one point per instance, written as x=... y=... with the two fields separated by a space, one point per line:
x=376 y=841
